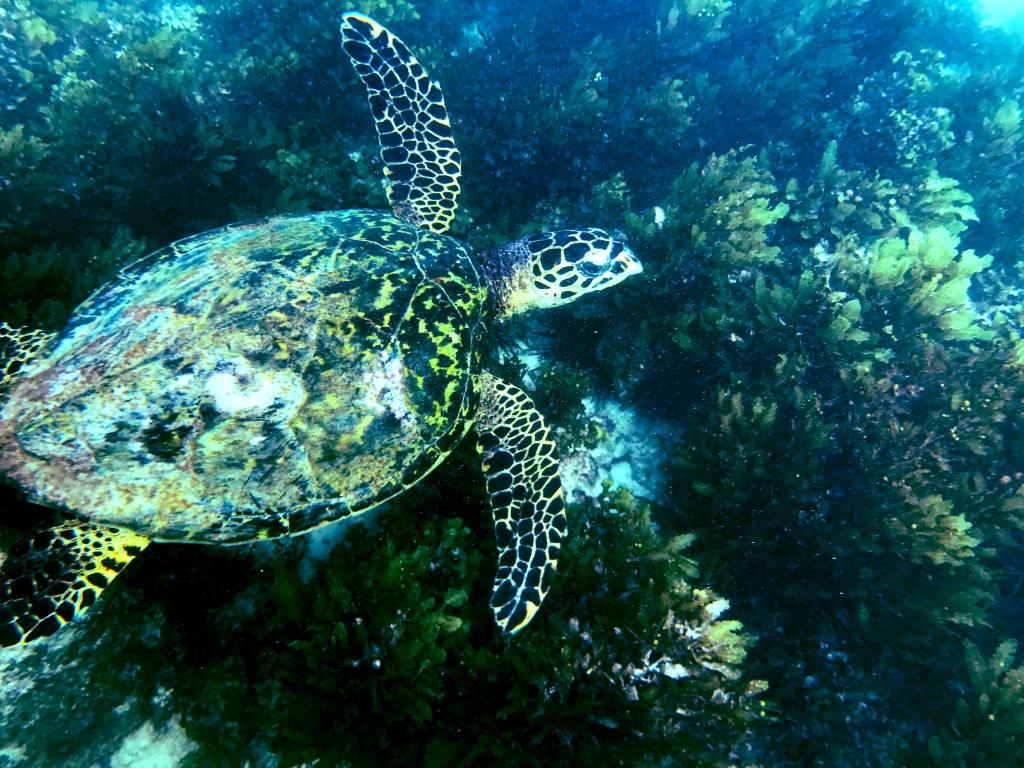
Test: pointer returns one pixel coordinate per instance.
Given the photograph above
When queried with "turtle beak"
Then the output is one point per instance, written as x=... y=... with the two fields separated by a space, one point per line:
x=626 y=263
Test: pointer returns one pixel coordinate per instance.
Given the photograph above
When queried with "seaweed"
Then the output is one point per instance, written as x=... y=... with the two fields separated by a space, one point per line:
x=986 y=726
x=629 y=672
x=379 y=649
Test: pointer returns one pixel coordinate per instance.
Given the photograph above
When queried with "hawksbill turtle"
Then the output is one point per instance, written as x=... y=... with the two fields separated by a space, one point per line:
x=267 y=378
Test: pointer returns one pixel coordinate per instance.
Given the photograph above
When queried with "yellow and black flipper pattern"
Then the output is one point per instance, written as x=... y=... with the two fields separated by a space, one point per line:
x=520 y=463
x=421 y=161
x=56 y=573
x=17 y=347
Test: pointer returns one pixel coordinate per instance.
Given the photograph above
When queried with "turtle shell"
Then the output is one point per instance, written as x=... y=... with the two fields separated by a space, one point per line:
x=254 y=381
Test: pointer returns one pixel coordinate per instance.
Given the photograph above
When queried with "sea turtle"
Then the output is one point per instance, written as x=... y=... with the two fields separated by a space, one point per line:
x=263 y=379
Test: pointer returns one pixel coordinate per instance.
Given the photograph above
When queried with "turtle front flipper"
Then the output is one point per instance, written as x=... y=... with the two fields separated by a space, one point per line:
x=521 y=466
x=17 y=347
x=56 y=573
x=421 y=161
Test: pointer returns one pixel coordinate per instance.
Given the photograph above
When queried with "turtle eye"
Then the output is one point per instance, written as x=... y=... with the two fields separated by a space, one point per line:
x=593 y=266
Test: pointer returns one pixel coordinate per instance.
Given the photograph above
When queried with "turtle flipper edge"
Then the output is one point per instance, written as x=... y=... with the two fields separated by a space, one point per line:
x=17 y=347
x=521 y=465
x=56 y=573
x=421 y=161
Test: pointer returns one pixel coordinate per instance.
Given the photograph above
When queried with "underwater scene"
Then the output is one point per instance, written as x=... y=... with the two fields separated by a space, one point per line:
x=512 y=383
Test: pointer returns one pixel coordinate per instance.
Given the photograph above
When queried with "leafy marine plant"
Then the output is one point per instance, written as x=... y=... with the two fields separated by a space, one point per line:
x=710 y=15
x=989 y=164
x=628 y=663
x=900 y=111
x=916 y=281
x=894 y=389
x=78 y=73
x=846 y=404
x=38 y=289
x=704 y=242
x=404 y=632
x=840 y=203
x=988 y=715
x=723 y=210
x=375 y=649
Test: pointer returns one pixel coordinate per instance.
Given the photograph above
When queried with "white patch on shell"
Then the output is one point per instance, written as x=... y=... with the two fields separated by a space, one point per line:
x=67 y=378
x=239 y=388
x=94 y=431
x=385 y=388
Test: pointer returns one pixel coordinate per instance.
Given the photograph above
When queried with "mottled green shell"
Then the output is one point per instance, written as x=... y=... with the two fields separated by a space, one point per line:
x=254 y=381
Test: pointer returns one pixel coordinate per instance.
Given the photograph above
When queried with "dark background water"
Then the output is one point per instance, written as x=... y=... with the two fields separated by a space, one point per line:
x=824 y=349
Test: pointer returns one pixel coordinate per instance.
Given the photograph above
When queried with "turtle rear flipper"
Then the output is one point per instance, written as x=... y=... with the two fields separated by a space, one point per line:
x=56 y=573
x=421 y=161
x=17 y=347
x=521 y=466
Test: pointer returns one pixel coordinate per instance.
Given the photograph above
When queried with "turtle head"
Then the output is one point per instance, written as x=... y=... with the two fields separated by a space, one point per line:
x=549 y=269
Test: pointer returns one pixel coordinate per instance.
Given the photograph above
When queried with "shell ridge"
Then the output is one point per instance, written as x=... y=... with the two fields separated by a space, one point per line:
x=433 y=443
x=440 y=287
x=412 y=296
